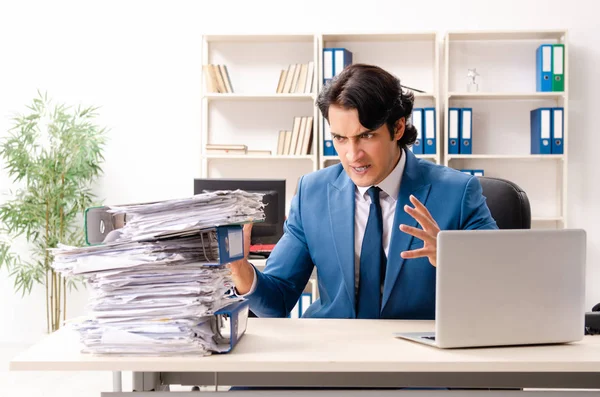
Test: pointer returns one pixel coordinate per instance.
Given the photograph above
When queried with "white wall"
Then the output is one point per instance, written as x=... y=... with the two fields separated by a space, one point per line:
x=141 y=61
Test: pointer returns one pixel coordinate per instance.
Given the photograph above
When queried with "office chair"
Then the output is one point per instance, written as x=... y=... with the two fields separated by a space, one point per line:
x=509 y=206
x=507 y=202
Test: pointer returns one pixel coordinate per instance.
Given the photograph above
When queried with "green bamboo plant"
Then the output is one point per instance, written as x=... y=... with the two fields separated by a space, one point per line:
x=53 y=154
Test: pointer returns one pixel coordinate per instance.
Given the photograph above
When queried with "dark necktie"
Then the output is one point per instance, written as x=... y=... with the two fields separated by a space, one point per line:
x=372 y=261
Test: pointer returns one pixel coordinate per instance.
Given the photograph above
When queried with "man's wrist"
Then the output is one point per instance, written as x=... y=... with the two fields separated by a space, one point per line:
x=253 y=286
x=243 y=276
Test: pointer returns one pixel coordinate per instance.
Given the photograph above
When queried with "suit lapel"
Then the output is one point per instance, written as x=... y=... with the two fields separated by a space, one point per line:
x=341 y=209
x=412 y=183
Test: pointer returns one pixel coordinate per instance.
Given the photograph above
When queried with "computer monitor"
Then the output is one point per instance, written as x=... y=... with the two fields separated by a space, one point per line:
x=263 y=233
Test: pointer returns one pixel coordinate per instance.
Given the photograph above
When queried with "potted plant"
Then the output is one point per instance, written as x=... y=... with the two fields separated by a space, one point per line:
x=53 y=155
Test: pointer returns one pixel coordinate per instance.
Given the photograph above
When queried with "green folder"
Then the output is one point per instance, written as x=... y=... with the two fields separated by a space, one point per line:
x=558 y=67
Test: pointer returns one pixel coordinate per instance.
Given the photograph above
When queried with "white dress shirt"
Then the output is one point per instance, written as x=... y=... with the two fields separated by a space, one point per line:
x=390 y=188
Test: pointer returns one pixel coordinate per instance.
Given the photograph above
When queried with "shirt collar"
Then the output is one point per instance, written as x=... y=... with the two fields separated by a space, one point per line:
x=391 y=184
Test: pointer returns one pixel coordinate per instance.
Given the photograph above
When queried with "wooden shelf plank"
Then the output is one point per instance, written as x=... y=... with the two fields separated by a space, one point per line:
x=506 y=95
x=505 y=157
x=489 y=35
x=257 y=156
x=258 y=97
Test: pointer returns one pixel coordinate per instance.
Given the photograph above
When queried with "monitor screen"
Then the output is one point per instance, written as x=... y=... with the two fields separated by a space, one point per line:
x=269 y=231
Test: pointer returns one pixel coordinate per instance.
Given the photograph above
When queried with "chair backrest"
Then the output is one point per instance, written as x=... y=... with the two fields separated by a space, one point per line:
x=507 y=202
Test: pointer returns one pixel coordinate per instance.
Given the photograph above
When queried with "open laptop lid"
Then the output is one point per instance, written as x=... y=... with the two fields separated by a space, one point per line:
x=510 y=287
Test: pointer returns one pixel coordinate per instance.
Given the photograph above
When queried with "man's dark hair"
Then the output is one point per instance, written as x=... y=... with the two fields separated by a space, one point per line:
x=376 y=95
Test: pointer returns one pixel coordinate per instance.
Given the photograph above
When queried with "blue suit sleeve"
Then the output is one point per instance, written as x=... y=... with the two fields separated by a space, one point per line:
x=288 y=268
x=475 y=213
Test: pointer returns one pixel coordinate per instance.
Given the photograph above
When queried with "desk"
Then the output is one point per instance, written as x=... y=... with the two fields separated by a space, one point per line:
x=342 y=353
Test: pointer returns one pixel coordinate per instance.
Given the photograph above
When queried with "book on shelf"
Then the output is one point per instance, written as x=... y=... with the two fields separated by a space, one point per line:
x=226 y=149
x=295 y=134
x=283 y=142
x=296 y=142
x=235 y=149
x=226 y=78
x=296 y=79
x=217 y=79
x=304 y=144
x=281 y=82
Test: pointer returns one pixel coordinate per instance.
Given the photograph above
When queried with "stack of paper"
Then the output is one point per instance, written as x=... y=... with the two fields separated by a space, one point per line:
x=156 y=287
x=147 y=221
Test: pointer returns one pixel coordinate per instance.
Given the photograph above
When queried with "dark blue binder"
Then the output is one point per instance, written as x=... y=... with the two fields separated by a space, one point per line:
x=341 y=58
x=454 y=130
x=229 y=325
x=429 y=131
x=231 y=243
x=417 y=122
x=541 y=125
x=328 y=148
x=327 y=65
x=474 y=172
x=466 y=131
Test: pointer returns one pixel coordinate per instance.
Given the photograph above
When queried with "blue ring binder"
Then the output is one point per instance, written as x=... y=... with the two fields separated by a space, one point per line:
x=229 y=325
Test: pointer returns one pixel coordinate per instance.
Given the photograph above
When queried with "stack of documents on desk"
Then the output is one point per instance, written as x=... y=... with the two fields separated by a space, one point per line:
x=155 y=288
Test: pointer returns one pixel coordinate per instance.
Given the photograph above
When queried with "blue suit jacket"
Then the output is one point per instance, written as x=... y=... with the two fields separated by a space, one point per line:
x=319 y=232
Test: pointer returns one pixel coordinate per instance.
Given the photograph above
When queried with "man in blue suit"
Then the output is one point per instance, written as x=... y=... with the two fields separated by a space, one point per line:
x=369 y=224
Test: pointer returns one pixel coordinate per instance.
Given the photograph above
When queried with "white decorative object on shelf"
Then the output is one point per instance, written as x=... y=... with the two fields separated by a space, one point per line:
x=472 y=85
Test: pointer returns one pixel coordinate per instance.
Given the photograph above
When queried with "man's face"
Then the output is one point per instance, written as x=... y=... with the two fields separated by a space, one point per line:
x=367 y=156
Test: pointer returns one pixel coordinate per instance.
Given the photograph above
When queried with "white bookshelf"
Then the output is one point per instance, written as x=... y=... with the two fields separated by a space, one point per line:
x=413 y=57
x=506 y=63
x=258 y=97
x=255 y=113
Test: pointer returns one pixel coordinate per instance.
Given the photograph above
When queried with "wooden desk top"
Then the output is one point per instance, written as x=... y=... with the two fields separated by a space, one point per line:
x=316 y=345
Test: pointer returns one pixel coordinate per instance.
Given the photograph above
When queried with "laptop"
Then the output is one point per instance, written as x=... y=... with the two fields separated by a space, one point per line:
x=507 y=288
